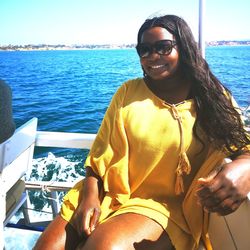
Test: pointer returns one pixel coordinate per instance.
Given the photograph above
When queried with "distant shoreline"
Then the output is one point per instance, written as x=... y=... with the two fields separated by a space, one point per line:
x=45 y=47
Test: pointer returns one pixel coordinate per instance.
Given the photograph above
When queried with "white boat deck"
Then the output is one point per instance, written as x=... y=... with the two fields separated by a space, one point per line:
x=19 y=239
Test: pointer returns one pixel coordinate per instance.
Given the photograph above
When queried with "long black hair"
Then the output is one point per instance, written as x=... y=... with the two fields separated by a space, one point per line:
x=216 y=114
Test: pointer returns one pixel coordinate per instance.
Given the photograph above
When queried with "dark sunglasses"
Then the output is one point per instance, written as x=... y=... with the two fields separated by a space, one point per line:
x=162 y=47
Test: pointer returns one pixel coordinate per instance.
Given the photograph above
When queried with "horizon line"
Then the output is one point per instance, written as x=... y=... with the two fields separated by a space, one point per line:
x=109 y=44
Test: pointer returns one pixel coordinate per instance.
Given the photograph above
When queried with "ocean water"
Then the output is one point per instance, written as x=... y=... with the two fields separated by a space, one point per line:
x=69 y=91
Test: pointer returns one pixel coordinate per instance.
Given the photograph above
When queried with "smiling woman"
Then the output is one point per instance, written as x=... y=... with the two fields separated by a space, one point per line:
x=160 y=137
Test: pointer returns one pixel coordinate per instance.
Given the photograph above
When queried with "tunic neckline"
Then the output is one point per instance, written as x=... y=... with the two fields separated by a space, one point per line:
x=165 y=103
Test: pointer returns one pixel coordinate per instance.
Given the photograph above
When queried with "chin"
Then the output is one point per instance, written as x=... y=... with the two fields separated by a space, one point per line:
x=161 y=77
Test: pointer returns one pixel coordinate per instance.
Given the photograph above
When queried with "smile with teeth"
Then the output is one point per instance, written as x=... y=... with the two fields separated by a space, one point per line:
x=157 y=66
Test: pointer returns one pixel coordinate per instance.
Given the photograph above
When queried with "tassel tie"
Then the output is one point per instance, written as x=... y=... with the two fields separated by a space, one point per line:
x=184 y=166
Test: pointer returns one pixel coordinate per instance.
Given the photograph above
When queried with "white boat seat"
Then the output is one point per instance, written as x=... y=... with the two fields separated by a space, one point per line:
x=232 y=231
x=14 y=197
x=16 y=156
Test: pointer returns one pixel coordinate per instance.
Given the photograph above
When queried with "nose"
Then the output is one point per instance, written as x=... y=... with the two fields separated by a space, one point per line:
x=153 y=55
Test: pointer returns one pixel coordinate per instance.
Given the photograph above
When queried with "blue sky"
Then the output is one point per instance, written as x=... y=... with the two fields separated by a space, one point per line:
x=112 y=21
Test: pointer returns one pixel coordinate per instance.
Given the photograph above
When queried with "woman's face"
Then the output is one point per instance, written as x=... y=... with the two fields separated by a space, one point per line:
x=157 y=66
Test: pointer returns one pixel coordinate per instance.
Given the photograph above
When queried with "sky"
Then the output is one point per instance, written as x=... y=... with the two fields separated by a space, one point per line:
x=113 y=21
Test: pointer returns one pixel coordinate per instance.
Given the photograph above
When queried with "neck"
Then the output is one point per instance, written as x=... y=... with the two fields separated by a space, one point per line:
x=173 y=90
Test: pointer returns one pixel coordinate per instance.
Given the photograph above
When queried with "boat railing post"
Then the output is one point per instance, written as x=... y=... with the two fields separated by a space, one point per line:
x=54 y=203
x=25 y=211
x=202 y=40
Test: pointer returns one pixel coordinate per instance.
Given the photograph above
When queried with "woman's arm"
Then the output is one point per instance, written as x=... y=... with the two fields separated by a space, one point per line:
x=88 y=212
x=226 y=188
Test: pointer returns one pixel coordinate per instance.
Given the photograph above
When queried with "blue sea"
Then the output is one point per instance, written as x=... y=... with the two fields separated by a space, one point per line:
x=69 y=91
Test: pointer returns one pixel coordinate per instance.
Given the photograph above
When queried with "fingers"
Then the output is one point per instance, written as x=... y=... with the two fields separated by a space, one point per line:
x=85 y=221
x=209 y=185
x=211 y=176
x=221 y=203
x=94 y=219
x=216 y=197
x=90 y=220
x=210 y=179
x=226 y=188
x=207 y=189
x=226 y=207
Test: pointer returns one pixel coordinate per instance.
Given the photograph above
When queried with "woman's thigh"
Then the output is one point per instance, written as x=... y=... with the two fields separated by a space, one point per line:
x=59 y=235
x=128 y=231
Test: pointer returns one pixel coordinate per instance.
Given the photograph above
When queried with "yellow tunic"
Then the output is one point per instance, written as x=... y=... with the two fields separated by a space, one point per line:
x=136 y=153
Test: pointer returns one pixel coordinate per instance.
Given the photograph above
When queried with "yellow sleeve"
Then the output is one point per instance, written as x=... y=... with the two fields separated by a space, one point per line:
x=108 y=156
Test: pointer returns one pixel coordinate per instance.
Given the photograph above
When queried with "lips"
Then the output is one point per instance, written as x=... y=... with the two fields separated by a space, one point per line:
x=157 y=66
x=157 y=69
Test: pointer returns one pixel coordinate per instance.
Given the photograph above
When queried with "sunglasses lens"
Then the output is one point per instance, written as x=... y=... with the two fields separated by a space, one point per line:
x=164 y=47
x=144 y=50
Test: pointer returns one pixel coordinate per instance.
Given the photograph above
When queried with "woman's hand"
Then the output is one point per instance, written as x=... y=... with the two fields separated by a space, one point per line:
x=227 y=187
x=87 y=214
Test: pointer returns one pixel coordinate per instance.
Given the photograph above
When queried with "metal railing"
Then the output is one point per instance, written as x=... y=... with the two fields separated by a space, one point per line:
x=57 y=140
